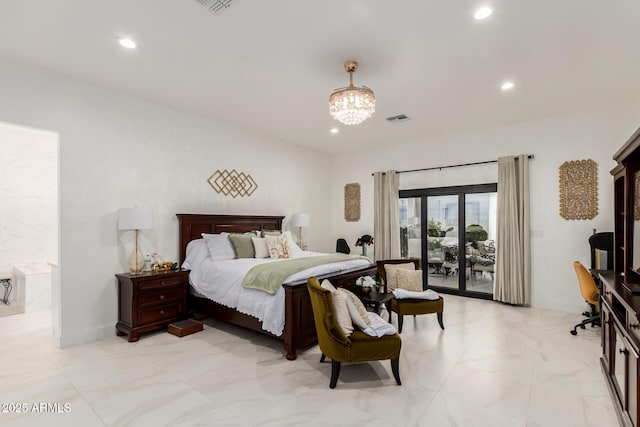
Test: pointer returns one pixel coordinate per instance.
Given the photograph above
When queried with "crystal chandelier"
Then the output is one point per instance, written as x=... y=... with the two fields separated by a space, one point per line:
x=352 y=105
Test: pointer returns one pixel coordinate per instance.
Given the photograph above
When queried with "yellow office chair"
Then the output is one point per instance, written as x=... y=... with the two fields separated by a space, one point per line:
x=589 y=291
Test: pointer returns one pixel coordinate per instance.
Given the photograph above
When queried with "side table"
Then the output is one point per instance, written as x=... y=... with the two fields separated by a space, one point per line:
x=375 y=299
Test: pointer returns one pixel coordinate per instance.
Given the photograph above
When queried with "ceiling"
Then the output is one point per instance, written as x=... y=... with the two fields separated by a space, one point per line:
x=270 y=66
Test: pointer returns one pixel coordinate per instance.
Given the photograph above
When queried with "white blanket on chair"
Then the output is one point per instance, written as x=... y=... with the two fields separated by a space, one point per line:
x=378 y=326
x=404 y=294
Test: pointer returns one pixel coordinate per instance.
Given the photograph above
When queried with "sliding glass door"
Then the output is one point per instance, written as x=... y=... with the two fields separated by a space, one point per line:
x=452 y=231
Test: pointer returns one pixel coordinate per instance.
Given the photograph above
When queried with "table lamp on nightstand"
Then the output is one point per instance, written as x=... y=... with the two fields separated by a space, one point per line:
x=135 y=219
x=300 y=220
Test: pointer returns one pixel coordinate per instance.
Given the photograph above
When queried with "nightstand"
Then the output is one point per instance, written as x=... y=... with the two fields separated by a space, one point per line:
x=150 y=301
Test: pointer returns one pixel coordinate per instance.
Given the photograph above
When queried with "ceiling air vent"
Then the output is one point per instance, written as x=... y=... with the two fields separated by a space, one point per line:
x=216 y=6
x=398 y=119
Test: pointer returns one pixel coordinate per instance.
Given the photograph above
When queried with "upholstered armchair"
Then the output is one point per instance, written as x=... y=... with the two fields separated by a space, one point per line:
x=407 y=307
x=358 y=347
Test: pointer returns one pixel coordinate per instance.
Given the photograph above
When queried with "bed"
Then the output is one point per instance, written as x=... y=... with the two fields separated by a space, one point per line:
x=299 y=328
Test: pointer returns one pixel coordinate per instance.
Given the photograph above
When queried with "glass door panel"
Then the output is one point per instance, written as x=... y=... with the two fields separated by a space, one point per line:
x=480 y=238
x=442 y=241
x=410 y=228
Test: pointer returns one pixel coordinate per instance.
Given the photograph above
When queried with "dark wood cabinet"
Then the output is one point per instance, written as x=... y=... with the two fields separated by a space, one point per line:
x=150 y=301
x=620 y=298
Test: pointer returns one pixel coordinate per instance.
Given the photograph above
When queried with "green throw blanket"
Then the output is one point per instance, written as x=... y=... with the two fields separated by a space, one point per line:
x=269 y=277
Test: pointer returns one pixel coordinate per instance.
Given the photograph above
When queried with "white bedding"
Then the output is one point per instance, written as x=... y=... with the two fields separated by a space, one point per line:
x=221 y=281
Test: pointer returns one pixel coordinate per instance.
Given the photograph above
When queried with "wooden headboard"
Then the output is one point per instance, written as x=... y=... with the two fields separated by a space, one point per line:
x=193 y=225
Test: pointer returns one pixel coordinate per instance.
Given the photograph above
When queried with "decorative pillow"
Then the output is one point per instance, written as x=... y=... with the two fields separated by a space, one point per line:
x=357 y=311
x=342 y=312
x=243 y=245
x=326 y=284
x=410 y=280
x=197 y=251
x=390 y=271
x=266 y=233
x=294 y=249
x=220 y=246
x=260 y=246
x=278 y=247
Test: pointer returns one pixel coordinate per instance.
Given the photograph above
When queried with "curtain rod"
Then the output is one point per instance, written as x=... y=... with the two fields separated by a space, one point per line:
x=530 y=156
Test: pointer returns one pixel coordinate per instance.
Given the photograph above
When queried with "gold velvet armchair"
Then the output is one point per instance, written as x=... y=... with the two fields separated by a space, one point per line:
x=359 y=347
x=409 y=307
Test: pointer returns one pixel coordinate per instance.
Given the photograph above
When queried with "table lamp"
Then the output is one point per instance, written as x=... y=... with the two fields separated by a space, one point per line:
x=135 y=219
x=300 y=220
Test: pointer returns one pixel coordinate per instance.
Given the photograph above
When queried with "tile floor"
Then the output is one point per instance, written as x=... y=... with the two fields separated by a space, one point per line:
x=494 y=365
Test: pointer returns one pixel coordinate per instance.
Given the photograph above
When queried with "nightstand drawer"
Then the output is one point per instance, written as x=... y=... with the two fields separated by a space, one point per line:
x=160 y=313
x=159 y=283
x=160 y=297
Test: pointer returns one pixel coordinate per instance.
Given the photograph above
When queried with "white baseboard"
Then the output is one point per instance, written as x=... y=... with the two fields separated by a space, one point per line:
x=559 y=305
x=85 y=336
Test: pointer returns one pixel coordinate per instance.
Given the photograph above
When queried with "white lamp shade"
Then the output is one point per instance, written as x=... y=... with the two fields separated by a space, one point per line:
x=300 y=220
x=135 y=219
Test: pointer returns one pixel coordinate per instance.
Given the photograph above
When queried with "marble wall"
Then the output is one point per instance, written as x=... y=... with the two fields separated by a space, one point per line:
x=28 y=196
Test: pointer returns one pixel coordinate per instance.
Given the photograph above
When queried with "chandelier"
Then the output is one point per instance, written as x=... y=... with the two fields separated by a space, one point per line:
x=352 y=105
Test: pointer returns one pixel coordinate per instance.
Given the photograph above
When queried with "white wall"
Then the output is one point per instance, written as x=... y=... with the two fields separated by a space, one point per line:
x=592 y=135
x=119 y=151
x=28 y=196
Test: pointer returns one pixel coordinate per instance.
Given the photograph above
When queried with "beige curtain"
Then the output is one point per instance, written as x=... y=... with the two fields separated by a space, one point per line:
x=386 y=226
x=513 y=246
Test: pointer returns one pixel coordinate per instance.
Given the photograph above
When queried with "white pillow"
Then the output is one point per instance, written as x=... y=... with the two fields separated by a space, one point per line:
x=340 y=307
x=326 y=284
x=341 y=310
x=294 y=249
x=197 y=251
x=357 y=311
x=220 y=246
x=261 y=247
x=278 y=247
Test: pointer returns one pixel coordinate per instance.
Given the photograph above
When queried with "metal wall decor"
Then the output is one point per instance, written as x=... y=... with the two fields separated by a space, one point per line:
x=352 y=202
x=579 y=189
x=232 y=183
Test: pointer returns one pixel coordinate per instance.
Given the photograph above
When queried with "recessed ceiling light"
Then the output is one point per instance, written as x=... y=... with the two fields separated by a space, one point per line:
x=335 y=130
x=128 y=43
x=483 y=12
x=508 y=85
